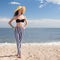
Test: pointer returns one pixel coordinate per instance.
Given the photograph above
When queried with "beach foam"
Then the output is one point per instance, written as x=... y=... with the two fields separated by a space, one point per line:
x=48 y=43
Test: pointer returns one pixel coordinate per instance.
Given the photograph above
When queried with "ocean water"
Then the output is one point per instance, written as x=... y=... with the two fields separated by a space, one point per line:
x=31 y=35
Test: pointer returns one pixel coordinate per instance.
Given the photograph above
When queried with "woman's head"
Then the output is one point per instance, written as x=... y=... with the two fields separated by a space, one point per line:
x=20 y=10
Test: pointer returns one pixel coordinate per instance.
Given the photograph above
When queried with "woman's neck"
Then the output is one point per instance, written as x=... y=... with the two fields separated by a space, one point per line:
x=19 y=14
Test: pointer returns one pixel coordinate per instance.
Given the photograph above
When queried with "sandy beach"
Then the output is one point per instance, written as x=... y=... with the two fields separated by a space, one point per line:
x=31 y=51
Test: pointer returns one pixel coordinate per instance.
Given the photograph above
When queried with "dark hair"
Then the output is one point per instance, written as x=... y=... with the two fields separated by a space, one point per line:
x=16 y=13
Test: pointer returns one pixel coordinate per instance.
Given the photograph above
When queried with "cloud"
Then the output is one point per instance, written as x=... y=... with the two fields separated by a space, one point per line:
x=15 y=3
x=54 y=1
x=39 y=23
x=43 y=3
x=44 y=23
x=4 y=19
x=4 y=22
x=41 y=6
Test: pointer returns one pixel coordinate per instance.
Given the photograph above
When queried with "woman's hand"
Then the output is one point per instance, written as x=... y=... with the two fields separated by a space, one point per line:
x=13 y=28
x=23 y=28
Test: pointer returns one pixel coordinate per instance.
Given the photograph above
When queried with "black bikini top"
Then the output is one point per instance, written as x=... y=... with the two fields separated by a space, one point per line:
x=20 y=20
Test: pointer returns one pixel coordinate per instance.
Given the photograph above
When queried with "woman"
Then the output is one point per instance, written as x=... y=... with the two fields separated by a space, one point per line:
x=19 y=28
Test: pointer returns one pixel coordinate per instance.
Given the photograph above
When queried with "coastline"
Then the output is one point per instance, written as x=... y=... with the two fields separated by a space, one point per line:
x=45 y=43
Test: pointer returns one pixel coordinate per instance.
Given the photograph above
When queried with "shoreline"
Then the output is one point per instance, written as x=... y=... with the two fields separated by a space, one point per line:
x=47 y=43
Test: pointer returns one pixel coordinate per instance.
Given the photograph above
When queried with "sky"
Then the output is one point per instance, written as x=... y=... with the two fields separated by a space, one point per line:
x=39 y=13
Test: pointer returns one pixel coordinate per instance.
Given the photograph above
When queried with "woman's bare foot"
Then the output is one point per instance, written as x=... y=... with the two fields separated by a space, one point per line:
x=19 y=56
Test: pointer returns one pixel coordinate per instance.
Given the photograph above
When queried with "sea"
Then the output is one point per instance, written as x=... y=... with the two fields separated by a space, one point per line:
x=31 y=35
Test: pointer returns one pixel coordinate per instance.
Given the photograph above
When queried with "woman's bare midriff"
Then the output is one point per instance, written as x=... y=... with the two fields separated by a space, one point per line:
x=19 y=24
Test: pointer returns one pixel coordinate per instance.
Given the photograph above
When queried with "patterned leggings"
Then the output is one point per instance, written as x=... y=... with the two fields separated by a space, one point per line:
x=18 y=36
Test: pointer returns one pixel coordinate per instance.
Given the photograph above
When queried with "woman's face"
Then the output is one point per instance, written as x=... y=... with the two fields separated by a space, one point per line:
x=20 y=11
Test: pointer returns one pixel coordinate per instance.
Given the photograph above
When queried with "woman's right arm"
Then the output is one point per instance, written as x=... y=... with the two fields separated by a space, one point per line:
x=10 y=22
